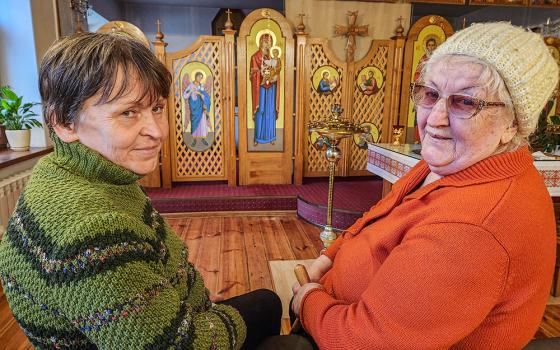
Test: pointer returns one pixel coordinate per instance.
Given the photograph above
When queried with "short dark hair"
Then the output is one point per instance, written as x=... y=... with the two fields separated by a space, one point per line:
x=77 y=67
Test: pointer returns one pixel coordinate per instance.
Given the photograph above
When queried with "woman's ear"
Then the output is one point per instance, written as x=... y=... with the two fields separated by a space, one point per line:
x=508 y=134
x=66 y=133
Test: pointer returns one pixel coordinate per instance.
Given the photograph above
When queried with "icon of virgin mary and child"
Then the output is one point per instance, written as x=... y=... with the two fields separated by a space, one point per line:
x=265 y=76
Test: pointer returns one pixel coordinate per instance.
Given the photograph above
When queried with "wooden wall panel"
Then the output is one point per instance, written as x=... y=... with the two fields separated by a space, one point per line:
x=373 y=108
x=318 y=106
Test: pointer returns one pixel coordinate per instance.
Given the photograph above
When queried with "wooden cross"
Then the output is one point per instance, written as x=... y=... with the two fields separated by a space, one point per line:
x=350 y=33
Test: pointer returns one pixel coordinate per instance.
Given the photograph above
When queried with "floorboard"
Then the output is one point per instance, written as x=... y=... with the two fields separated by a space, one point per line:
x=232 y=253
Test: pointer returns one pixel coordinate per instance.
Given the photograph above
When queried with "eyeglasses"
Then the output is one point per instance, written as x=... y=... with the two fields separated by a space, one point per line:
x=459 y=106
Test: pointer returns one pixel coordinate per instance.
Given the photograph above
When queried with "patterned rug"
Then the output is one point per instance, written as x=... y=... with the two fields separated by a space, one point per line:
x=352 y=197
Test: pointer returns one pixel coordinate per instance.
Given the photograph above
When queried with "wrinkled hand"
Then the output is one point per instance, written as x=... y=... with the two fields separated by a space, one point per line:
x=300 y=292
x=319 y=267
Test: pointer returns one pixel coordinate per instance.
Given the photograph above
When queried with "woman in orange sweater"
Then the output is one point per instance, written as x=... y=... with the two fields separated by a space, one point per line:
x=460 y=255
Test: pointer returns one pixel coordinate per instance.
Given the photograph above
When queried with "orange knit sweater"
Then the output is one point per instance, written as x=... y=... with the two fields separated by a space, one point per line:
x=465 y=262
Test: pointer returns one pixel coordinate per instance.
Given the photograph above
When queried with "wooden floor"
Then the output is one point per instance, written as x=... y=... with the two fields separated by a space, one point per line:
x=232 y=253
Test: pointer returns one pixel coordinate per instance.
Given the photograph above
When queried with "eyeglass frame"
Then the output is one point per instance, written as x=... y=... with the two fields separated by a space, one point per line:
x=481 y=105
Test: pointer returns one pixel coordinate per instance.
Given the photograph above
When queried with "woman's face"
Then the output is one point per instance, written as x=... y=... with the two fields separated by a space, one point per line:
x=126 y=132
x=450 y=144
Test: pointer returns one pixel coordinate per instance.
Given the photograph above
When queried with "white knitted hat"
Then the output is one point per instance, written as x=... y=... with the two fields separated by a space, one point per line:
x=522 y=59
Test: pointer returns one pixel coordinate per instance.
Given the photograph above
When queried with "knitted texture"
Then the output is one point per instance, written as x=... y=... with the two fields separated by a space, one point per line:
x=522 y=59
x=86 y=263
x=464 y=262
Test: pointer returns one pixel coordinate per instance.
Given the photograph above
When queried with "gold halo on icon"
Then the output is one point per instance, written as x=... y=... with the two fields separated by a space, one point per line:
x=276 y=48
x=265 y=31
x=428 y=37
x=193 y=75
x=323 y=72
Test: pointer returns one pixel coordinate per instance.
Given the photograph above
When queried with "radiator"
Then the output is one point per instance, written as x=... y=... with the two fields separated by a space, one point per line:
x=10 y=189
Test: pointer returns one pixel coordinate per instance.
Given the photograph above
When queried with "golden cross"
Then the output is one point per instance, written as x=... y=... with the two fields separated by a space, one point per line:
x=229 y=23
x=400 y=19
x=350 y=33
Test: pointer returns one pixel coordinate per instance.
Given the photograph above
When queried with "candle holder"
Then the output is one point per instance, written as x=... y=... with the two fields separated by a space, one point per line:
x=331 y=132
x=398 y=130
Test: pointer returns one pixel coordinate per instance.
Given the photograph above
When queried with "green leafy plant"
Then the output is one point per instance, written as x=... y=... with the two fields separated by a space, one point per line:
x=13 y=114
x=547 y=135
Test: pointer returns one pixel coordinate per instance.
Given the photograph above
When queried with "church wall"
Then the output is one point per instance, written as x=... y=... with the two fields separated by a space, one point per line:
x=322 y=15
x=109 y=9
x=182 y=25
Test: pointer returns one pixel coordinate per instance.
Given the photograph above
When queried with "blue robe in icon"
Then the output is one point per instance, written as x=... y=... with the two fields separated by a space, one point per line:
x=324 y=86
x=265 y=116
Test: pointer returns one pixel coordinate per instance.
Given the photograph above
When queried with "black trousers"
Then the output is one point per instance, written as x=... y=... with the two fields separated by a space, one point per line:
x=262 y=312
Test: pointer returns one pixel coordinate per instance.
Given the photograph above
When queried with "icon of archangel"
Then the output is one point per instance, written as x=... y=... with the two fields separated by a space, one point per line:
x=196 y=87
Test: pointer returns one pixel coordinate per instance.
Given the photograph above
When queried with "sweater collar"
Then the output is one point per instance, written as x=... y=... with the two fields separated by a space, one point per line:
x=83 y=161
x=493 y=168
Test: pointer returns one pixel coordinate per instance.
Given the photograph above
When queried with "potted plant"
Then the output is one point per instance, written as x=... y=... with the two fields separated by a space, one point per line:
x=17 y=118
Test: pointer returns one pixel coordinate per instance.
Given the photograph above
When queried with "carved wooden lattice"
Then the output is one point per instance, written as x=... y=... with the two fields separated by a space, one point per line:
x=369 y=108
x=319 y=107
x=210 y=164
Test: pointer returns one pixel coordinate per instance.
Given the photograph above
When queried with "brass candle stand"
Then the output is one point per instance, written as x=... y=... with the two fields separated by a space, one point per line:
x=331 y=132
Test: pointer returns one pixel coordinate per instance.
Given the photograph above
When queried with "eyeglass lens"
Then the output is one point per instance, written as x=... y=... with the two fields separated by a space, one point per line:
x=460 y=106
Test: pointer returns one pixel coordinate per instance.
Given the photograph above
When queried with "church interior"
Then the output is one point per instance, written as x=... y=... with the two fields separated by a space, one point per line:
x=288 y=120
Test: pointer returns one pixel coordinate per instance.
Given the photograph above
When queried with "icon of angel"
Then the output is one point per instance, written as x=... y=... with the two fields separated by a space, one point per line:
x=197 y=94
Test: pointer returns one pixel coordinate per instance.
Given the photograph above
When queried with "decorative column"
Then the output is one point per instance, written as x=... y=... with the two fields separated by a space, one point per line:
x=159 y=47
x=301 y=99
x=229 y=100
x=397 y=73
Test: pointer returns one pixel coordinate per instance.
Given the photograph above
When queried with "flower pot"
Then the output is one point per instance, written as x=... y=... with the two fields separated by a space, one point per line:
x=3 y=139
x=19 y=139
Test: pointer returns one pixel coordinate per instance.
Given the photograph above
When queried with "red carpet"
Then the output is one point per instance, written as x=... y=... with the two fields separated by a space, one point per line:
x=354 y=194
x=352 y=197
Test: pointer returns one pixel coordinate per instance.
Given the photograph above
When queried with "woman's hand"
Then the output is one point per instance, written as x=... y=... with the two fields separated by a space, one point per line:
x=319 y=267
x=300 y=293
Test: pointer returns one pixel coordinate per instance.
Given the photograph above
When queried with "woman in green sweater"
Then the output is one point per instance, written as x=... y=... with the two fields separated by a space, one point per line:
x=86 y=261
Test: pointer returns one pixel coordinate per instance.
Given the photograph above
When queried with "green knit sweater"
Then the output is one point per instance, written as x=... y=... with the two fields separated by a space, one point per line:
x=87 y=262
